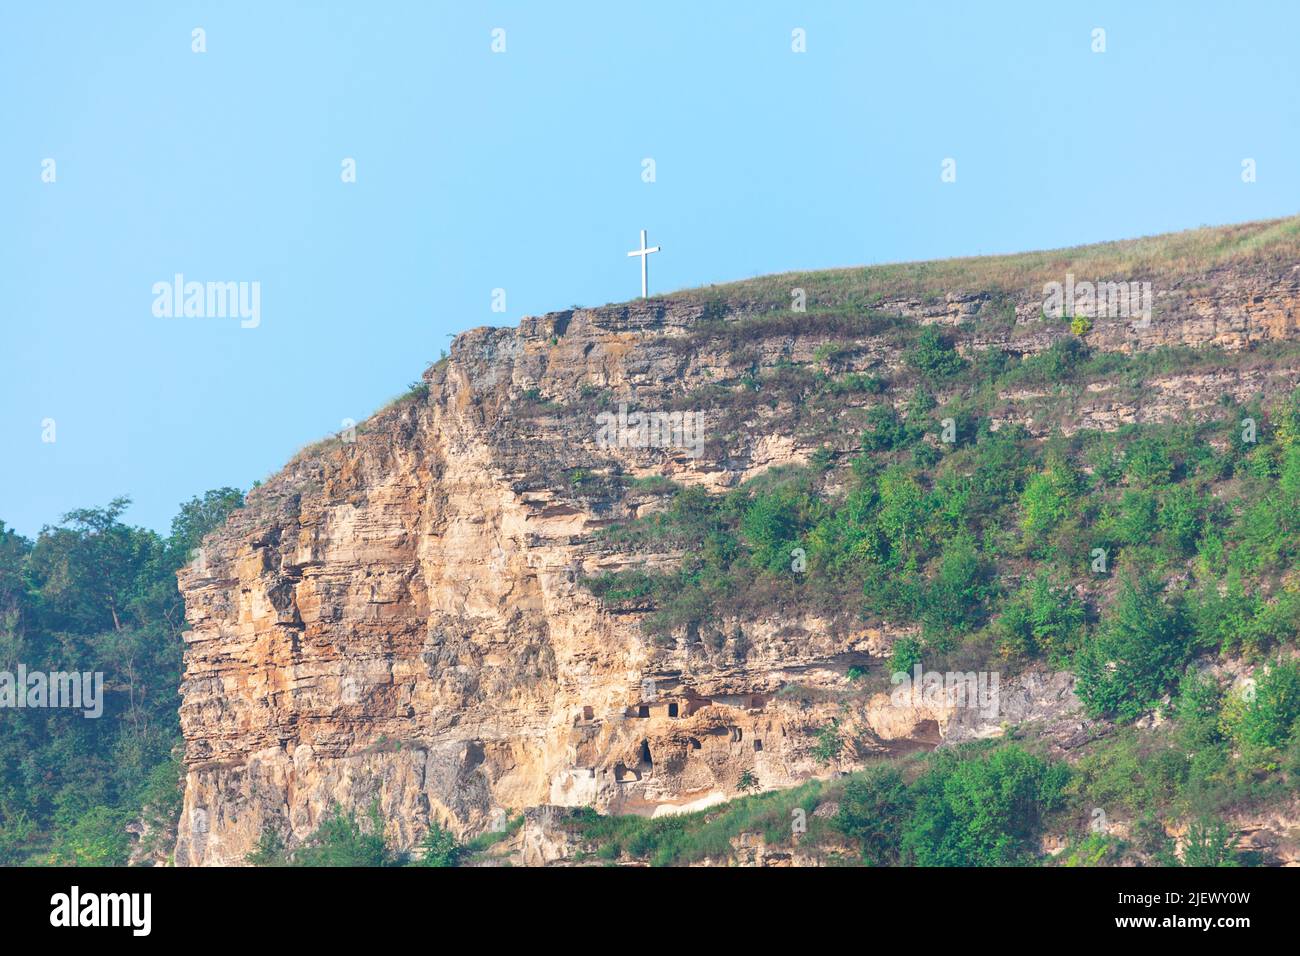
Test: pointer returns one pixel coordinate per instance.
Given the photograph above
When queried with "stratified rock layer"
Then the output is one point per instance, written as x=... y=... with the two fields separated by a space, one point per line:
x=400 y=618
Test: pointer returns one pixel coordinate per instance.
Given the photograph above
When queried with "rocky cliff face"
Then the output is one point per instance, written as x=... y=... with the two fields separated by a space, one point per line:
x=400 y=618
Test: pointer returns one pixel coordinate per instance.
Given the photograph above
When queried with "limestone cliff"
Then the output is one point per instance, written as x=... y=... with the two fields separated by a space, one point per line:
x=400 y=616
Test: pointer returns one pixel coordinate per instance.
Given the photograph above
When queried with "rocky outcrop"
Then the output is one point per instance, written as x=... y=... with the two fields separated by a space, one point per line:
x=399 y=615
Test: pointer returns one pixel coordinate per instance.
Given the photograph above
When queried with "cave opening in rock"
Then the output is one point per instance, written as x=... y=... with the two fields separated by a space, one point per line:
x=672 y=710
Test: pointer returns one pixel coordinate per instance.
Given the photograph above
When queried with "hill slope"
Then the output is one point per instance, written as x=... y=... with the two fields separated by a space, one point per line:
x=508 y=591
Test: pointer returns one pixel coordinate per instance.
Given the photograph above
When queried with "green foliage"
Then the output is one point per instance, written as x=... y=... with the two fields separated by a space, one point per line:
x=687 y=838
x=1059 y=363
x=1262 y=720
x=772 y=524
x=1228 y=618
x=98 y=837
x=829 y=744
x=1047 y=499
x=1210 y=843
x=885 y=431
x=1043 y=618
x=871 y=808
x=342 y=840
x=438 y=848
x=270 y=850
x=95 y=594
x=955 y=598
x=1182 y=518
x=905 y=655
x=934 y=357
x=1147 y=462
x=985 y=810
x=200 y=515
x=1136 y=654
x=902 y=515
x=17 y=830
x=1096 y=849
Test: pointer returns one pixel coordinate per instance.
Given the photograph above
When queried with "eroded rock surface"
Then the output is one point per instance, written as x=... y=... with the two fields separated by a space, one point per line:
x=401 y=618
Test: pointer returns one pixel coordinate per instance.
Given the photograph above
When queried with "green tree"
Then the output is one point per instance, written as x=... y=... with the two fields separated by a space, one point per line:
x=934 y=357
x=871 y=810
x=829 y=743
x=201 y=515
x=1210 y=843
x=98 y=838
x=956 y=597
x=341 y=840
x=438 y=848
x=1043 y=618
x=985 y=810
x=1048 y=498
x=1135 y=655
x=1263 y=718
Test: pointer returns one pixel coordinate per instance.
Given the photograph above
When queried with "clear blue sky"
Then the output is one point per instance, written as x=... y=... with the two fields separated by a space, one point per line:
x=522 y=170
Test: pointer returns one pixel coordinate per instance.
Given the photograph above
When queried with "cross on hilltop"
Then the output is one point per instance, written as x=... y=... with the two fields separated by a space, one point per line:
x=643 y=252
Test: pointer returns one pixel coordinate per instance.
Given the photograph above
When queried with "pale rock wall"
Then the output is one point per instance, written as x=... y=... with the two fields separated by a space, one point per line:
x=401 y=619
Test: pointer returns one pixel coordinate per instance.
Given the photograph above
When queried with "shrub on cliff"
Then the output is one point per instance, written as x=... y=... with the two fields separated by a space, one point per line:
x=871 y=811
x=342 y=840
x=1262 y=719
x=1136 y=654
x=438 y=848
x=1210 y=843
x=983 y=810
x=934 y=357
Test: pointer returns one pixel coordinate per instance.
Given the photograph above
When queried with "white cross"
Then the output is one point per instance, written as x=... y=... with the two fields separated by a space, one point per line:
x=643 y=252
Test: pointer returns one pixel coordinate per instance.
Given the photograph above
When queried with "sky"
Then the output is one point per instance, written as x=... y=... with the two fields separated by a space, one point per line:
x=523 y=170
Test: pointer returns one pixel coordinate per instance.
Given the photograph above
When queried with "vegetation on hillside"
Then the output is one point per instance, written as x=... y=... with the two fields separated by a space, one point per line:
x=95 y=594
x=1172 y=256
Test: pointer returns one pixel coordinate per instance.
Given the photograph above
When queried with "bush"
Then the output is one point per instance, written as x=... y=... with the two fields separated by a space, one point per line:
x=934 y=357
x=871 y=809
x=1043 y=618
x=904 y=655
x=829 y=744
x=1136 y=654
x=341 y=840
x=1048 y=498
x=98 y=838
x=439 y=848
x=772 y=525
x=1262 y=721
x=1147 y=462
x=885 y=431
x=956 y=597
x=1210 y=843
x=982 y=811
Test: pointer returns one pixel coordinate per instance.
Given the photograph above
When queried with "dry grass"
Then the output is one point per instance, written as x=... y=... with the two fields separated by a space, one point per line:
x=1174 y=255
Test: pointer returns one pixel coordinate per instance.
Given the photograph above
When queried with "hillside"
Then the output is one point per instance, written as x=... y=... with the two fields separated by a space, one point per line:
x=481 y=607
